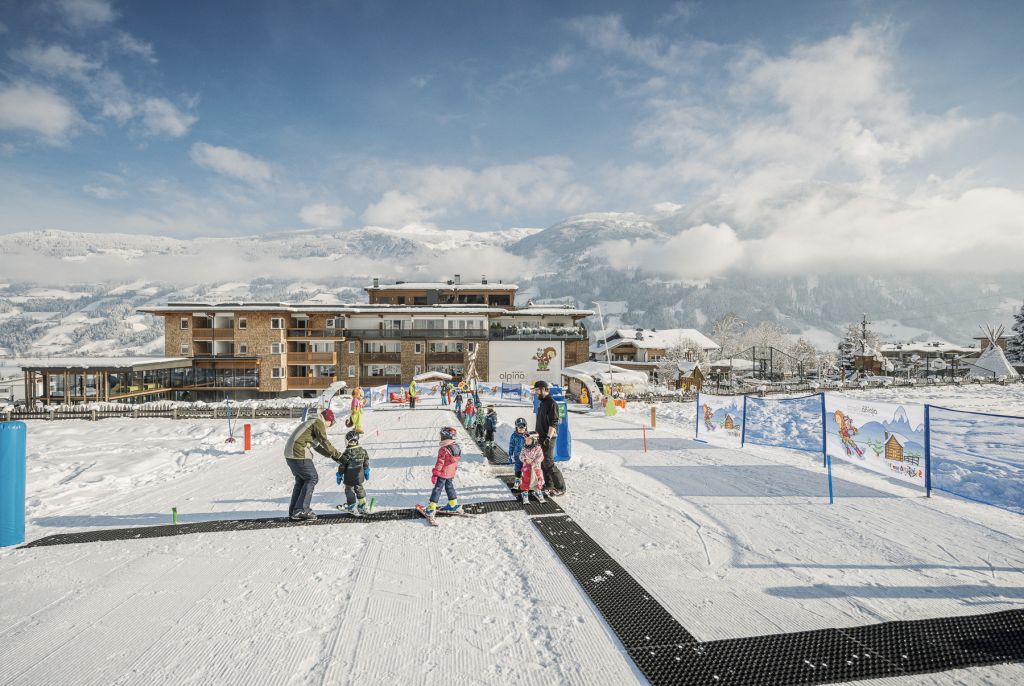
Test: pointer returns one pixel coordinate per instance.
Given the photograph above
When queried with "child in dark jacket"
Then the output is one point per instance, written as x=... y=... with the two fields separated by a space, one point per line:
x=490 y=426
x=458 y=402
x=353 y=470
x=515 y=447
x=449 y=452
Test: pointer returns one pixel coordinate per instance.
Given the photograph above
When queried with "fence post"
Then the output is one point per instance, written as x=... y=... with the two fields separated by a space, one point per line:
x=743 y=426
x=828 y=465
x=248 y=437
x=696 y=423
x=654 y=417
x=12 y=483
x=927 y=452
x=824 y=433
x=644 y=427
x=174 y=412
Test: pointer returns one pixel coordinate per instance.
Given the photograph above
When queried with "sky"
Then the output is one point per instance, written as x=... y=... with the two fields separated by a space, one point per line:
x=772 y=136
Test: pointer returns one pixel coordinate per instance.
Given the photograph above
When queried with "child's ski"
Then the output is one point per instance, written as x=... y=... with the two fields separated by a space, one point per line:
x=460 y=513
x=423 y=511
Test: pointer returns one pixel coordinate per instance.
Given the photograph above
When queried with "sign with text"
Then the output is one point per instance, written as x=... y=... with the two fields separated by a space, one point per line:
x=525 y=362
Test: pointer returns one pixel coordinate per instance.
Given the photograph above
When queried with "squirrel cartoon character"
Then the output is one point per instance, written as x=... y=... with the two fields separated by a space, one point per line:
x=544 y=357
x=708 y=424
x=846 y=433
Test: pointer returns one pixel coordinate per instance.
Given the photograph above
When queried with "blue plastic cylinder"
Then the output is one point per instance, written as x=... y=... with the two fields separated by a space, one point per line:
x=12 y=483
x=563 y=442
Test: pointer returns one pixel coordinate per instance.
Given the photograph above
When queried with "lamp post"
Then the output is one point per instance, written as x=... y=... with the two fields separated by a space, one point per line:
x=607 y=355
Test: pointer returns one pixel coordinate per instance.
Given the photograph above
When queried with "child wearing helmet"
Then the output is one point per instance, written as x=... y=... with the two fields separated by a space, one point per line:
x=449 y=452
x=458 y=402
x=490 y=426
x=533 y=476
x=480 y=419
x=470 y=411
x=515 y=447
x=353 y=470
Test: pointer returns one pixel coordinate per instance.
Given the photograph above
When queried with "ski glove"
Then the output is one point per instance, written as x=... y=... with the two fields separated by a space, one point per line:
x=433 y=477
x=366 y=474
x=338 y=477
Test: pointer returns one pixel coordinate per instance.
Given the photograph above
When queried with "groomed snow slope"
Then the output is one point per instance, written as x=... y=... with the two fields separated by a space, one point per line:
x=733 y=543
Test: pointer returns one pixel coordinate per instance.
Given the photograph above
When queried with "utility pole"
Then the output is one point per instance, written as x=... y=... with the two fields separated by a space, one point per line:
x=864 y=333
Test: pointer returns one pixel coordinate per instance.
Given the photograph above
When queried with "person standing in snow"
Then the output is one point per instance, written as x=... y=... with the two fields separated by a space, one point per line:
x=532 y=458
x=353 y=470
x=490 y=426
x=480 y=419
x=515 y=446
x=449 y=452
x=412 y=394
x=309 y=437
x=547 y=431
x=458 y=402
x=470 y=411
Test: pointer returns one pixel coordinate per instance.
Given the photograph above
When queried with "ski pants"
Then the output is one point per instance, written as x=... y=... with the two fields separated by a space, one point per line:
x=552 y=474
x=412 y=402
x=448 y=485
x=354 y=494
x=489 y=435
x=306 y=478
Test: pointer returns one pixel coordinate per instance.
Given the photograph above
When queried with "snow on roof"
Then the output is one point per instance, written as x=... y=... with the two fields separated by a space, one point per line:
x=599 y=370
x=661 y=339
x=927 y=347
x=549 y=310
x=100 y=362
x=444 y=286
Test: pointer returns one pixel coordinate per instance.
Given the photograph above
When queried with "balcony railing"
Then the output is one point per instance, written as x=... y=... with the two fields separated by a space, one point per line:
x=381 y=358
x=421 y=334
x=311 y=358
x=441 y=357
x=309 y=381
x=316 y=333
x=211 y=334
x=536 y=333
x=367 y=380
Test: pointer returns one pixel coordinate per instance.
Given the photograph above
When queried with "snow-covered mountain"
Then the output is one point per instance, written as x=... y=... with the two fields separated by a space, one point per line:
x=76 y=293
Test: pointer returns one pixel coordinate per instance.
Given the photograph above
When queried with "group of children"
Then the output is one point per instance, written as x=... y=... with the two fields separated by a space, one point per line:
x=354 y=462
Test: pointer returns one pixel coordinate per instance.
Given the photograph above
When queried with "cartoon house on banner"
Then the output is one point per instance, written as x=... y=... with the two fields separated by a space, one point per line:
x=884 y=437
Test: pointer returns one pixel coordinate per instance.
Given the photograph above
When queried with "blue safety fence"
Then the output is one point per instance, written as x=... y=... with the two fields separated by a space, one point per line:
x=978 y=456
x=793 y=423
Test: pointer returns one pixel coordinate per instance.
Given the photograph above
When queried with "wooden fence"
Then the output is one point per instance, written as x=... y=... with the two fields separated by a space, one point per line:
x=166 y=412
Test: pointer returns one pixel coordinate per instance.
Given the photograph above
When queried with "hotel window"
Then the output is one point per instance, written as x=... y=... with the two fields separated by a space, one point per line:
x=472 y=347
x=184 y=349
x=329 y=324
x=351 y=371
x=351 y=347
x=275 y=348
x=277 y=323
x=277 y=373
x=416 y=370
x=184 y=322
x=243 y=323
x=243 y=349
x=419 y=348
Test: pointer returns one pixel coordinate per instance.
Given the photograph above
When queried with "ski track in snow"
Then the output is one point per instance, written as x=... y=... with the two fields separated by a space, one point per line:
x=733 y=543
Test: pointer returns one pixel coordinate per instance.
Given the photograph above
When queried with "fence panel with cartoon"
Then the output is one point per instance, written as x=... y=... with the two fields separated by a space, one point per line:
x=793 y=423
x=978 y=456
x=887 y=438
x=720 y=419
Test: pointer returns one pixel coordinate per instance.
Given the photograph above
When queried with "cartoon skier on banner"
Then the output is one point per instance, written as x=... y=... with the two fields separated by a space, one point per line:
x=847 y=431
x=708 y=424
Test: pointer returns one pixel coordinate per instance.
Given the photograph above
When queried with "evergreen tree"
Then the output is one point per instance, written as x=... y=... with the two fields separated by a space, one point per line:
x=1015 y=345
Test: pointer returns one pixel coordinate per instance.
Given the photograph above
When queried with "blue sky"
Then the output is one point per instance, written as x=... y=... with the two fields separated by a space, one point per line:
x=754 y=122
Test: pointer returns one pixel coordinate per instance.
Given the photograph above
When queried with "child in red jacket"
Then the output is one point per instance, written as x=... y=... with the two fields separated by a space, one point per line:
x=443 y=476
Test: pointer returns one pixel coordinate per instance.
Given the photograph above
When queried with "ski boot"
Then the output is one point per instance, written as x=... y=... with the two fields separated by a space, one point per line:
x=526 y=497
x=364 y=508
x=348 y=508
x=450 y=508
x=515 y=484
x=540 y=497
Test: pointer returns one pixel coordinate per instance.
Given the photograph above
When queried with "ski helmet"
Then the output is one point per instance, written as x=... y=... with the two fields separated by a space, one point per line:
x=328 y=415
x=352 y=437
x=448 y=433
x=533 y=436
x=521 y=423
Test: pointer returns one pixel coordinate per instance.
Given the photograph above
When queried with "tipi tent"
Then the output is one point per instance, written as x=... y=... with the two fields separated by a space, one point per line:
x=993 y=363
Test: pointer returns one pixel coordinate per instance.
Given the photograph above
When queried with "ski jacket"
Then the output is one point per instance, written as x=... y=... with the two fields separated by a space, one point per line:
x=412 y=389
x=481 y=417
x=515 y=445
x=532 y=473
x=448 y=456
x=352 y=462
x=547 y=417
x=470 y=409
x=308 y=436
x=532 y=456
x=491 y=421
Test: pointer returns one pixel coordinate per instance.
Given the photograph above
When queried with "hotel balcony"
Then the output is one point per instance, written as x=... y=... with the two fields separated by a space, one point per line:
x=316 y=333
x=312 y=358
x=381 y=358
x=421 y=334
x=212 y=334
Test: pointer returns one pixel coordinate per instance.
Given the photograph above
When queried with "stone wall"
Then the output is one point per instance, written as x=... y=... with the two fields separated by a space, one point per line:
x=258 y=337
x=410 y=359
x=174 y=335
x=347 y=359
x=576 y=352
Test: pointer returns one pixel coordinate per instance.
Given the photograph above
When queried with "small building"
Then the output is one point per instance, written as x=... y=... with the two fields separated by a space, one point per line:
x=642 y=349
x=75 y=380
x=894 y=446
x=729 y=424
x=691 y=378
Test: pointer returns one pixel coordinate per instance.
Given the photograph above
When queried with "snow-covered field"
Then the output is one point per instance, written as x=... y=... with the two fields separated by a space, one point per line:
x=733 y=543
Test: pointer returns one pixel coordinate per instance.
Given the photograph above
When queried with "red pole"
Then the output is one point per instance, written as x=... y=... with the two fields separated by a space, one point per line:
x=644 y=427
x=248 y=437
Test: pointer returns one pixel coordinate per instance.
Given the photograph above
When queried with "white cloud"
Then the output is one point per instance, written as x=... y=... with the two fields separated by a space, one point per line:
x=129 y=44
x=417 y=194
x=161 y=117
x=324 y=215
x=86 y=14
x=231 y=162
x=697 y=253
x=55 y=60
x=36 y=109
x=110 y=187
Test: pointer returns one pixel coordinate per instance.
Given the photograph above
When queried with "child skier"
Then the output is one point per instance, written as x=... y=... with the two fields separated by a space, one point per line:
x=470 y=411
x=533 y=476
x=490 y=426
x=449 y=452
x=515 y=447
x=458 y=402
x=354 y=469
x=480 y=418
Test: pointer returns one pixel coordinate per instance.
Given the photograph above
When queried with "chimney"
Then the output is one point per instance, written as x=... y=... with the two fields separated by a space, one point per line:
x=458 y=279
x=376 y=282
x=483 y=279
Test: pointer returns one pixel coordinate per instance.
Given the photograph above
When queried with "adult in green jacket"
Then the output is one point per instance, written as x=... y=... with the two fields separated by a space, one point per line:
x=309 y=436
x=412 y=394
